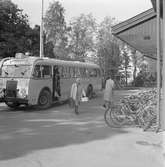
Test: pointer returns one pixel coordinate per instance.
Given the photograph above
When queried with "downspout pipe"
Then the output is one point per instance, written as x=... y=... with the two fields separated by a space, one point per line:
x=158 y=41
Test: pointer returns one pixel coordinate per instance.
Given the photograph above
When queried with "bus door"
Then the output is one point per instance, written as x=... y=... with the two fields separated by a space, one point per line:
x=56 y=83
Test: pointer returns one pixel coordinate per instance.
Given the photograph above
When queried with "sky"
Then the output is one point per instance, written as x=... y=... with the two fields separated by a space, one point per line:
x=120 y=9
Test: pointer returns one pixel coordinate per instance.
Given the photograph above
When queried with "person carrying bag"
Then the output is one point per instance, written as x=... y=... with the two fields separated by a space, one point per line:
x=77 y=94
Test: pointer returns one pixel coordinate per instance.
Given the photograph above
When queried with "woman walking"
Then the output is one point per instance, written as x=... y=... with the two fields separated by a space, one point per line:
x=109 y=92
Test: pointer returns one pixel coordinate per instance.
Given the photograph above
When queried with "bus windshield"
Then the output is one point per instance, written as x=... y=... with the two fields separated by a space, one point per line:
x=14 y=71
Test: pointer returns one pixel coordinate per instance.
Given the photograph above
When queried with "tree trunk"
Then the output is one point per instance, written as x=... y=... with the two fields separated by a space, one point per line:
x=134 y=75
x=126 y=77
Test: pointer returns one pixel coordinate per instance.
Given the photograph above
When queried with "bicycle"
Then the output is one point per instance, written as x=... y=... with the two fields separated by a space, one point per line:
x=124 y=114
x=109 y=117
x=151 y=121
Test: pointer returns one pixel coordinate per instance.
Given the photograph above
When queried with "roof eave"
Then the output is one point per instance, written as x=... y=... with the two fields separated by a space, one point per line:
x=134 y=21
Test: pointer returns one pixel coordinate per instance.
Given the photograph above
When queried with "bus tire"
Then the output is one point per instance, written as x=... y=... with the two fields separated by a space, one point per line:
x=44 y=100
x=89 y=92
x=13 y=105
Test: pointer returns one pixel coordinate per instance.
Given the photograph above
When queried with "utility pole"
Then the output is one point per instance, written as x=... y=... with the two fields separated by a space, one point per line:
x=41 y=31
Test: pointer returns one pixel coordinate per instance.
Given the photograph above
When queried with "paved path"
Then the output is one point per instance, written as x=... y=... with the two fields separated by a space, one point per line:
x=59 y=138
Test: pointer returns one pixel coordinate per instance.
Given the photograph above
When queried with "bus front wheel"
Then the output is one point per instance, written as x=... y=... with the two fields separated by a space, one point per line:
x=44 y=100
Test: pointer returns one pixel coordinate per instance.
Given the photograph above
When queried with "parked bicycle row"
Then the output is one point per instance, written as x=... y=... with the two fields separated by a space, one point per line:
x=134 y=110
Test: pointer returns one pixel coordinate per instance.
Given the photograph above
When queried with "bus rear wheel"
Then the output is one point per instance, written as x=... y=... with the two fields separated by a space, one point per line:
x=44 y=100
x=12 y=104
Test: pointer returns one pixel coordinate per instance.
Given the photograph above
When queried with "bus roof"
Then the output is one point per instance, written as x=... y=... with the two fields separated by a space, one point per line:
x=30 y=60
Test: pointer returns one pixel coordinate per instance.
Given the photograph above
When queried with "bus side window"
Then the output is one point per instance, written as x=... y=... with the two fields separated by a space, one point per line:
x=95 y=74
x=71 y=72
x=37 y=71
x=60 y=68
x=74 y=72
x=83 y=72
x=77 y=72
x=64 y=72
x=98 y=72
x=87 y=73
x=46 y=71
x=92 y=73
x=67 y=72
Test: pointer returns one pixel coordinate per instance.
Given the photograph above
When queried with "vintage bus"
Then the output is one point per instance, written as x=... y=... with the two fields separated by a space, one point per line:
x=38 y=81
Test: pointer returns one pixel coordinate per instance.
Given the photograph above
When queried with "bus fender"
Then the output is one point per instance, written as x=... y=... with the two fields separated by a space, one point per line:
x=45 y=88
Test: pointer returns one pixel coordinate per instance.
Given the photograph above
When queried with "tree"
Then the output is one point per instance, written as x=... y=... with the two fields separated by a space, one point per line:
x=125 y=62
x=14 y=25
x=136 y=61
x=55 y=27
x=33 y=38
x=48 y=49
x=81 y=39
x=107 y=48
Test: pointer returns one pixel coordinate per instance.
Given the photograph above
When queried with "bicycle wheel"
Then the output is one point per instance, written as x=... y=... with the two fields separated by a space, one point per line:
x=150 y=124
x=147 y=117
x=114 y=118
x=108 y=118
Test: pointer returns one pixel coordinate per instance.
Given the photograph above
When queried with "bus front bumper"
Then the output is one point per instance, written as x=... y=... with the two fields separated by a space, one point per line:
x=11 y=99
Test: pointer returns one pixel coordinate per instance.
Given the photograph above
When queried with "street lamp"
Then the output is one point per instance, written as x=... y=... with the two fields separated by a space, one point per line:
x=41 y=32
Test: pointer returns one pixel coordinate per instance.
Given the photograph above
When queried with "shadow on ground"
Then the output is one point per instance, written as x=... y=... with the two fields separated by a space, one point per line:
x=25 y=131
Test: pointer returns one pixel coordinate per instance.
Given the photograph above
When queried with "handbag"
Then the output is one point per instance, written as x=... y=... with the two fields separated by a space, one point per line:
x=84 y=99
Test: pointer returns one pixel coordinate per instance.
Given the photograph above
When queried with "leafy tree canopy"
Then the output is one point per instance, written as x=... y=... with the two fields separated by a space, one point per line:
x=13 y=27
x=55 y=28
x=107 y=47
x=82 y=34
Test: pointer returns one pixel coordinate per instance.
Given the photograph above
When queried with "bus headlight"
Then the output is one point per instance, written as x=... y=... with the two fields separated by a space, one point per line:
x=23 y=93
